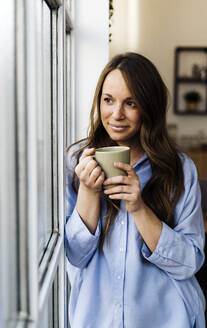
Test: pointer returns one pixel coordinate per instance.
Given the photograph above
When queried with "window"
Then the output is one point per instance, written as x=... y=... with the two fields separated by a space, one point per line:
x=44 y=131
x=33 y=141
x=8 y=194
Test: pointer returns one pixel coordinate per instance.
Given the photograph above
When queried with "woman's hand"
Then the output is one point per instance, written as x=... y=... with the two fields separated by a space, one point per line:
x=89 y=173
x=128 y=188
x=91 y=178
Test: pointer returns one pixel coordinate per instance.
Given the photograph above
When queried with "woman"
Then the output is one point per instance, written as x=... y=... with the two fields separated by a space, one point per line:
x=133 y=249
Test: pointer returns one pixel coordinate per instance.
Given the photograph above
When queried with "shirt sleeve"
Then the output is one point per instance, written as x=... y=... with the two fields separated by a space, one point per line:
x=180 y=251
x=80 y=243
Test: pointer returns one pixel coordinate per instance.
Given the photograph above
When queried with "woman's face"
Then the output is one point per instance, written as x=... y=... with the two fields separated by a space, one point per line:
x=120 y=114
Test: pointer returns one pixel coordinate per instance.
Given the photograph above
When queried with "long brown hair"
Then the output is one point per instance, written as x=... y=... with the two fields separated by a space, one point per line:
x=163 y=190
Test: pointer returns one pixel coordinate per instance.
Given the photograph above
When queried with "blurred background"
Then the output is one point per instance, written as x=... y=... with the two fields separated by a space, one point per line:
x=157 y=30
x=52 y=52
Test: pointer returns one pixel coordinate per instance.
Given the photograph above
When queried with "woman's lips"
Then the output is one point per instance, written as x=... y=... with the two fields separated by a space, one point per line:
x=118 y=128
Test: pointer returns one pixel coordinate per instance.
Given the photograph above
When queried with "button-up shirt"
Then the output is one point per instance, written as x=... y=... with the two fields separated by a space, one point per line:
x=127 y=285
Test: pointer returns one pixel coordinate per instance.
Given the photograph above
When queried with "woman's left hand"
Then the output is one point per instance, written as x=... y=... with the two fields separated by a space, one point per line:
x=128 y=188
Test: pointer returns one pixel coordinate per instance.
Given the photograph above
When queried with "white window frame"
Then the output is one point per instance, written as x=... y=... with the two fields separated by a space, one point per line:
x=8 y=295
x=34 y=281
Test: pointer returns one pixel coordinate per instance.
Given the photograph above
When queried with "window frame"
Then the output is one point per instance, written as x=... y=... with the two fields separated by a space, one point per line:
x=35 y=281
x=8 y=228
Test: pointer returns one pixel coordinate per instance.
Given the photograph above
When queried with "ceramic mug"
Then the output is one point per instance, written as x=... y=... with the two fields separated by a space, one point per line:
x=106 y=156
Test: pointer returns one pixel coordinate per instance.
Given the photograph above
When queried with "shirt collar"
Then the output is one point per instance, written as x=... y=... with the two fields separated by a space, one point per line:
x=141 y=161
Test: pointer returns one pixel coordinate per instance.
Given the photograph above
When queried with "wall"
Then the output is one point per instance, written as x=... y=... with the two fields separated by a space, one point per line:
x=92 y=53
x=160 y=26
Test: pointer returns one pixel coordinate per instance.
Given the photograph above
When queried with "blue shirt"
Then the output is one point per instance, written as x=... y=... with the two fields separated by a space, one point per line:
x=127 y=285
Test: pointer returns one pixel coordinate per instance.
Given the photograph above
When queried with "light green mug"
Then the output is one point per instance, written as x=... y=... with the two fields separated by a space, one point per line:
x=106 y=156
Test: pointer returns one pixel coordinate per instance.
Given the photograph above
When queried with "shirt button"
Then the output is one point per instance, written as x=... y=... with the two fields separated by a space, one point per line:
x=122 y=222
x=119 y=305
x=160 y=249
x=164 y=252
x=119 y=277
x=121 y=249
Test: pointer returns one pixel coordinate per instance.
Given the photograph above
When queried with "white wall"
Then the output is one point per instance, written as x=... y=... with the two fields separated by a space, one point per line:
x=91 y=54
x=159 y=27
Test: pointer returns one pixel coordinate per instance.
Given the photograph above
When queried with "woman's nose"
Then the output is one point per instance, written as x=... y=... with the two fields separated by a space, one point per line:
x=118 y=111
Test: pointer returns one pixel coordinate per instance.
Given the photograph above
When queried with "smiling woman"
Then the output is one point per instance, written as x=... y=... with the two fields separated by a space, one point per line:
x=137 y=244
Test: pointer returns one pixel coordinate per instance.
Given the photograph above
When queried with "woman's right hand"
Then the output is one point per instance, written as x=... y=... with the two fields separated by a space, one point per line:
x=89 y=172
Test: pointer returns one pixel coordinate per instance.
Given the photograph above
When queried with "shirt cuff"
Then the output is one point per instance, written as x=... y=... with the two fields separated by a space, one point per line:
x=163 y=246
x=77 y=230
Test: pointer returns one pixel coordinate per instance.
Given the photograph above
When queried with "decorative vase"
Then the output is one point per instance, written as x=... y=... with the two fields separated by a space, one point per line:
x=192 y=106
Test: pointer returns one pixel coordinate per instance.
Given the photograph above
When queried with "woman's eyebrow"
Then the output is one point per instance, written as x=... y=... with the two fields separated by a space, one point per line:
x=106 y=94
x=109 y=95
x=130 y=98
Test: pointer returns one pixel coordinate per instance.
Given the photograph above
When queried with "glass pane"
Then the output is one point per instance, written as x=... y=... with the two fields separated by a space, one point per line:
x=8 y=211
x=50 y=317
x=69 y=118
x=45 y=137
x=47 y=319
x=68 y=3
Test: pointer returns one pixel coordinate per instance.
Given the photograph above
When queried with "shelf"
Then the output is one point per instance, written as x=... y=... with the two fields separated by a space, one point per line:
x=190 y=76
x=190 y=112
x=203 y=49
x=190 y=80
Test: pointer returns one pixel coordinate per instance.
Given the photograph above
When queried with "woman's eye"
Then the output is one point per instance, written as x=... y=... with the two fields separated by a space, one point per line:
x=131 y=104
x=107 y=100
